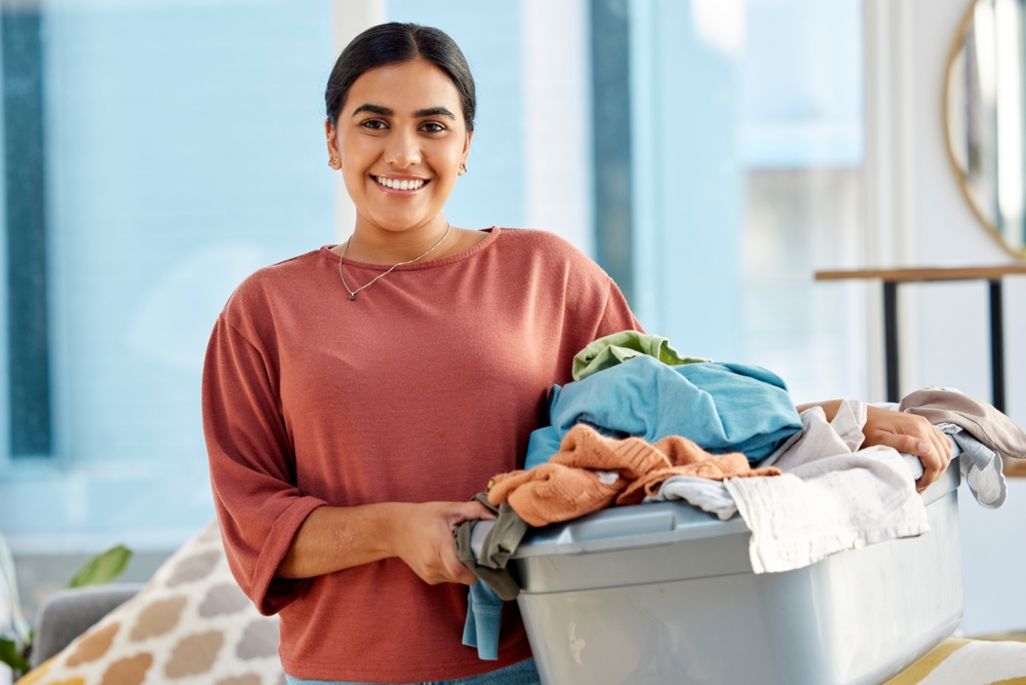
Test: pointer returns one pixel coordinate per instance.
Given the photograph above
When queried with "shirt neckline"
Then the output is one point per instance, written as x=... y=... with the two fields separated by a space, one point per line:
x=493 y=235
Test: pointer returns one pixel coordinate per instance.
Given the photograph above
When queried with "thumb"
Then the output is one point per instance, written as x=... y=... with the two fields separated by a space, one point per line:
x=469 y=511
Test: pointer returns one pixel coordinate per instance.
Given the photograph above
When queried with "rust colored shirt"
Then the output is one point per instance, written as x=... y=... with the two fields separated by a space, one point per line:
x=421 y=389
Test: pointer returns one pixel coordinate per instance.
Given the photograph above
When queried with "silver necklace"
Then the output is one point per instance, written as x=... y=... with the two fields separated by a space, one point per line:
x=352 y=293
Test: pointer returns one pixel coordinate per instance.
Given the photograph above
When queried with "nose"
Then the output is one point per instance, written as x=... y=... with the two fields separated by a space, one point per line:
x=403 y=150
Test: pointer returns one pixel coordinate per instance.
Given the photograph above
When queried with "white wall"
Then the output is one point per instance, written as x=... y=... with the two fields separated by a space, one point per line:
x=917 y=217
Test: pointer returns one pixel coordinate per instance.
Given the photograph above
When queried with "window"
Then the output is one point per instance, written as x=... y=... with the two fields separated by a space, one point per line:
x=747 y=154
x=25 y=219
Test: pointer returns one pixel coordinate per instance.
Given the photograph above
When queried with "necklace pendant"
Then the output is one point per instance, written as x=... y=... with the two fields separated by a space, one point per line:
x=342 y=258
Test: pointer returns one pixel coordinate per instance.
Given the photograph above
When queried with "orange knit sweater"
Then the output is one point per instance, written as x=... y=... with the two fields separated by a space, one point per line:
x=573 y=484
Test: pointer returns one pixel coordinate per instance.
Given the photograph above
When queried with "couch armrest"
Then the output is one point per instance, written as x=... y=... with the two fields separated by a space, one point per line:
x=68 y=613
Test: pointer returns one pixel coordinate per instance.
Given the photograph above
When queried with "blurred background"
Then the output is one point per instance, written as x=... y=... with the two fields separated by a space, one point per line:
x=710 y=154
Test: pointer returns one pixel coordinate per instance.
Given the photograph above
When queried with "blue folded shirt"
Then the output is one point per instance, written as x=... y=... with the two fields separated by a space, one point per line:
x=722 y=407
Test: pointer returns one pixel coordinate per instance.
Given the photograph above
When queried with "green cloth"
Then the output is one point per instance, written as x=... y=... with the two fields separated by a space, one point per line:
x=617 y=348
x=499 y=545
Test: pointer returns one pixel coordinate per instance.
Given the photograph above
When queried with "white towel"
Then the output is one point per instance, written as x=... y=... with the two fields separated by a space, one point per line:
x=828 y=505
x=831 y=497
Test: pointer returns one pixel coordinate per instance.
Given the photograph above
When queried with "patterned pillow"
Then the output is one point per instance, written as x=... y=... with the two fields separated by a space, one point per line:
x=189 y=625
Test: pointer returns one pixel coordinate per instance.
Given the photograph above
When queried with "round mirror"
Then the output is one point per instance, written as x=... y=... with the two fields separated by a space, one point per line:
x=984 y=117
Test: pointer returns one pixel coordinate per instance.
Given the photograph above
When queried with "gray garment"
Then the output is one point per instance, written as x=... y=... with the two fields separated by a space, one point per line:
x=980 y=467
x=979 y=419
x=706 y=494
x=502 y=539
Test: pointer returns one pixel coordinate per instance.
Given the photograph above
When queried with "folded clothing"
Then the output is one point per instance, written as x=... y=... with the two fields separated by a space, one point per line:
x=721 y=407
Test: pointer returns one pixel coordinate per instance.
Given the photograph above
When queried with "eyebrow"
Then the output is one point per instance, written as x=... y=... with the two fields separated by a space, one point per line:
x=387 y=112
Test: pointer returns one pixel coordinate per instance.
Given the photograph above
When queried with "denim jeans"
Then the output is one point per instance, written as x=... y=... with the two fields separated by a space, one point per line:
x=523 y=673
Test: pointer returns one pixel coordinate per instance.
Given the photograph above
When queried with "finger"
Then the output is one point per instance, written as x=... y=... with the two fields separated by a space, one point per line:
x=946 y=445
x=455 y=571
x=909 y=444
x=941 y=447
x=482 y=512
x=932 y=461
x=929 y=475
x=469 y=511
x=465 y=577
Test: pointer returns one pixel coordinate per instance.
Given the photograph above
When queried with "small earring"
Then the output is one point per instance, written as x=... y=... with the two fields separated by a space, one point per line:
x=463 y=168
x=334 y=163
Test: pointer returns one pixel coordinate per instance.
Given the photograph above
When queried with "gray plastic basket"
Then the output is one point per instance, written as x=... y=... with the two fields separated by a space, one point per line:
x=663 y=593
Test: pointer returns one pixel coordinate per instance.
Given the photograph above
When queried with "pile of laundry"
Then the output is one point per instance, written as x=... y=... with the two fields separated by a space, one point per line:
x=804 y=486
x=591 y=472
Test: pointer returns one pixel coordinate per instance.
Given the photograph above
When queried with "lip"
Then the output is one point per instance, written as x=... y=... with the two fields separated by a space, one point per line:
x=394 y=191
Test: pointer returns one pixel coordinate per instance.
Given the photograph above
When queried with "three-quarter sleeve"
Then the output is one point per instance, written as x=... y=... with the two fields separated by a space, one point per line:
x=252 y=468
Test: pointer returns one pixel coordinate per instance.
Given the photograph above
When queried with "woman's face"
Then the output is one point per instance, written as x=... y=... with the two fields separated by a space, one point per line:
x=401 y=139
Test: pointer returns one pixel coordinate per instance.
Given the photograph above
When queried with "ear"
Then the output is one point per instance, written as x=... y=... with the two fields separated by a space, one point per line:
x=330 y=136
x=466 y=147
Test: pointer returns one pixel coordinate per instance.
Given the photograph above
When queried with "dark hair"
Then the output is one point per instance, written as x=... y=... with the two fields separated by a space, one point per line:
x=394 y=42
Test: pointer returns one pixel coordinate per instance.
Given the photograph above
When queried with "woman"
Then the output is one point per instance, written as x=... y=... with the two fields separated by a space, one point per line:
x=355 y=397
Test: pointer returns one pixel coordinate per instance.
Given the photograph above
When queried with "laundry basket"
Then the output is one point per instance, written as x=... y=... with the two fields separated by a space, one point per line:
x=663 y=593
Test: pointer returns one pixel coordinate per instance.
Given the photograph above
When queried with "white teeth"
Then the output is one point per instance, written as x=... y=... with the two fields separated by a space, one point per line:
x=404 y=184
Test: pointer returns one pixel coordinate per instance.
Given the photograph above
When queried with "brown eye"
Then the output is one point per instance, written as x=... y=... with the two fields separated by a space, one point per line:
x=374 y=124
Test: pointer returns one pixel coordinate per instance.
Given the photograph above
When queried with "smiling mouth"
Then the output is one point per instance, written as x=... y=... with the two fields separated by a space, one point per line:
x=408 y=184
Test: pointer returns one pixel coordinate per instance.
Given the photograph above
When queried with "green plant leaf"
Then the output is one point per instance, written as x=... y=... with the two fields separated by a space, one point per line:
x=11 y=655
x=102 y=568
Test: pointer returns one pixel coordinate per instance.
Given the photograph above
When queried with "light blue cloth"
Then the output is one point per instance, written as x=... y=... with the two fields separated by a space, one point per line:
x=722 y=407
x=980 y=467
x=484 y=619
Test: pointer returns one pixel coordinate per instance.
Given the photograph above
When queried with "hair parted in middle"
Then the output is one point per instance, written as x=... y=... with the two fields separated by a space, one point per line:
x=397 y=42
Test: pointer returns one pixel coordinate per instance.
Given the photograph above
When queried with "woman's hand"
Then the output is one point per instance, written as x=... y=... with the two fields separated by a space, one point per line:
x=423 y=538
x=912 y=434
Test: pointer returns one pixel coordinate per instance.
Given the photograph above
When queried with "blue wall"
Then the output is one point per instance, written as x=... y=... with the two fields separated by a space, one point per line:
x=185 y=150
